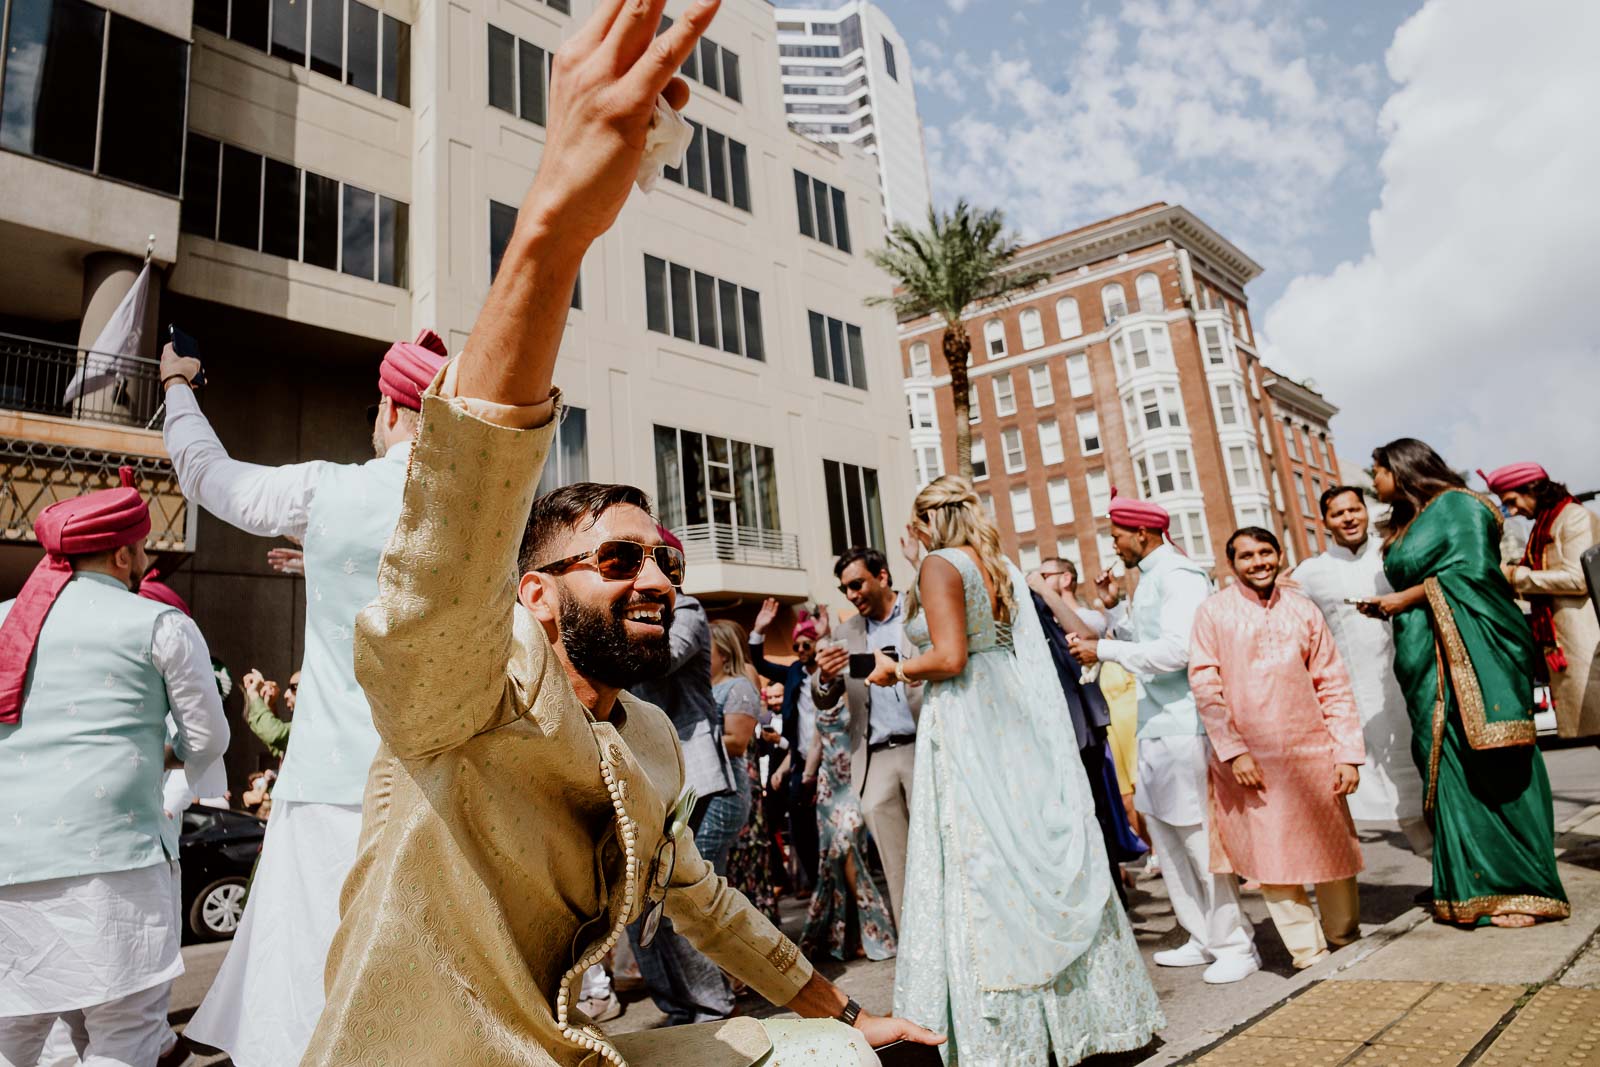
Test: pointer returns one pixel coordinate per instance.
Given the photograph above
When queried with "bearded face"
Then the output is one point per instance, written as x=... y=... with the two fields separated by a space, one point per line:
x=616 y=643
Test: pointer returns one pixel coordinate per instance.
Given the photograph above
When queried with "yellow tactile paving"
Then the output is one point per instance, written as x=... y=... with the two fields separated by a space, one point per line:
x=1248 y=1051
x=1454 y=1017
x=1400 y=1056
x=1354 y=1011
x=1557 y=1028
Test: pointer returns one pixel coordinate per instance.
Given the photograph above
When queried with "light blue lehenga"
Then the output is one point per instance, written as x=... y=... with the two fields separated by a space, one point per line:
x=1014 y=945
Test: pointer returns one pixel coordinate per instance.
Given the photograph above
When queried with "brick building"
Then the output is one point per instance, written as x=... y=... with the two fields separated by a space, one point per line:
x=1134 y=366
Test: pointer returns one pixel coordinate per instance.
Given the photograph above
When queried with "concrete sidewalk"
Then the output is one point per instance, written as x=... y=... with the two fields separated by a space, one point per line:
x=1419 y=992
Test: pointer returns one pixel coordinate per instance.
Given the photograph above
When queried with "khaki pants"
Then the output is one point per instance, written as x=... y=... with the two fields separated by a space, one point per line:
x=1303 y=935
x=886 y=803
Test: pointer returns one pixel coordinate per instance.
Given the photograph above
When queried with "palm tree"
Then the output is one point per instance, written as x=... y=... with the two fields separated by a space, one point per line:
x=962 y=258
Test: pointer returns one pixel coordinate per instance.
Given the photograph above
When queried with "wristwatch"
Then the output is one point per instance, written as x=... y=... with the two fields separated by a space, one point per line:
x=848 y=1013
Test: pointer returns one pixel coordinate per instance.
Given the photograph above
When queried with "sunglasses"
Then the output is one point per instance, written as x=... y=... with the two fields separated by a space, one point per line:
x=852 y=587
x=803 y=646
x=621 y=561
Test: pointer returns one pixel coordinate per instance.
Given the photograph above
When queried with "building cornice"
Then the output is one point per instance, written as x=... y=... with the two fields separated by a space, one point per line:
x=1291 y=393
x=1137 y=229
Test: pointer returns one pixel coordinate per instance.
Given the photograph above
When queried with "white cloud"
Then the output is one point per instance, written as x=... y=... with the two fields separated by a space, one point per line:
x=1469 y=321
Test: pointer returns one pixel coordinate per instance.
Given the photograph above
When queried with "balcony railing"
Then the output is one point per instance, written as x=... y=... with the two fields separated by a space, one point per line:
x=717 y=542
x=35 y=376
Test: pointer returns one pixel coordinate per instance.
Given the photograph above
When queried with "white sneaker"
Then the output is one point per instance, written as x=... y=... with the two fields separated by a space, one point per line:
x=1188 y=955
x=1232 y=968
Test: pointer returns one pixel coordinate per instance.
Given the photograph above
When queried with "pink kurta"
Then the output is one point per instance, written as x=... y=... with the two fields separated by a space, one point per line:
x=1267 y=680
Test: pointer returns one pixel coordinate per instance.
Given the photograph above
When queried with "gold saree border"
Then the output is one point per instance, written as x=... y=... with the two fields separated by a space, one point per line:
x=1481 y=733
x=1475 y=908
x=1494 y=510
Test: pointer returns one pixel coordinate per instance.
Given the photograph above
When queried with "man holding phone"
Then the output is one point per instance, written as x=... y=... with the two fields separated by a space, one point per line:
x=1341 y=582
x=883 y=720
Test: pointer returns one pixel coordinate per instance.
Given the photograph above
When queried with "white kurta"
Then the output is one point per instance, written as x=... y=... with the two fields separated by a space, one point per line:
x=1391 y=787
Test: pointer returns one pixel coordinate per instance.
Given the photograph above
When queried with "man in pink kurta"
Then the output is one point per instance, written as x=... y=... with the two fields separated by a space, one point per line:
x=1286 y=741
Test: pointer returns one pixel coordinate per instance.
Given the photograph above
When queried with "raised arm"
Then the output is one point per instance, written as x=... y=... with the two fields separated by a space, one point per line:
x=266 y=501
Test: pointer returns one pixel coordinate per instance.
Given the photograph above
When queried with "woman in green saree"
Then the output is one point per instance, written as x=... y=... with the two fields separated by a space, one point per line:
x=1465 y=657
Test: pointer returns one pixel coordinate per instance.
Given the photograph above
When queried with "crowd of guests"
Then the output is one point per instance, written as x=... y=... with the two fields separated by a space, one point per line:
x=521 y=749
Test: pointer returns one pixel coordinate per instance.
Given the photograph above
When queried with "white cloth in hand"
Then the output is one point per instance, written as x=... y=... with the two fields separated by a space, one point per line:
x=665 y=144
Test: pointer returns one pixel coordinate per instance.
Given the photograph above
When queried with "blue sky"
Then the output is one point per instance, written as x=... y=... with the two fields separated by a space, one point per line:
x=1417 y=178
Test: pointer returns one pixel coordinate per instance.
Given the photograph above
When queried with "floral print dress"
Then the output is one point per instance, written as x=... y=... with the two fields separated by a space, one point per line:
x=843 y=923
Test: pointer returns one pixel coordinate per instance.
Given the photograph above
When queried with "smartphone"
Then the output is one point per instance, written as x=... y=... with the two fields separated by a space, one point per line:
x=909 y=1054
x=1357 y=601
x=862 y=664
x=188 y=347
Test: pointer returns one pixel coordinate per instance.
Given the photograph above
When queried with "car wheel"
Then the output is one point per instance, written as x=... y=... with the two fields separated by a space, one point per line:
x=217 y=909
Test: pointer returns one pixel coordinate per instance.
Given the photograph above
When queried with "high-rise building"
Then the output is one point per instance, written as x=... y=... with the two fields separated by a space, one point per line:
x=1132 y=367
x=847 y=79
x=322 y=177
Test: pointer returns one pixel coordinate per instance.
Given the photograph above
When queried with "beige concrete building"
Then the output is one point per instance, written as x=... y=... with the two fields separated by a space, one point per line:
x=316 y=178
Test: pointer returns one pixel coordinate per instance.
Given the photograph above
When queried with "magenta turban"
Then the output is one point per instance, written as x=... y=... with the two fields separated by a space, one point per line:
x=1139 y=515
x=410 y=367
x=153 y=588
x=94 y=522
x=1513 y=476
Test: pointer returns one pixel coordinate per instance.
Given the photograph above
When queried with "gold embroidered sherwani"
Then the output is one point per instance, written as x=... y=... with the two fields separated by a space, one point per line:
x=507 y=836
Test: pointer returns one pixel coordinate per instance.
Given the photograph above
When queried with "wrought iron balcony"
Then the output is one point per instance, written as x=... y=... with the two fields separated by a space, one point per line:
x=35 y=377
x=718 y=542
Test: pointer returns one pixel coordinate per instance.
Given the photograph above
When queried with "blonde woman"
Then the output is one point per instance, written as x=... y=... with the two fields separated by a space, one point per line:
x=740 y=706
x=1013 y=945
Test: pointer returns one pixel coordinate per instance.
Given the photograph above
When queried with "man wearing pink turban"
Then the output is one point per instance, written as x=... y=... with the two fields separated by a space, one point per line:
x=89 y=896
x=1151 y=641
x=343 y=515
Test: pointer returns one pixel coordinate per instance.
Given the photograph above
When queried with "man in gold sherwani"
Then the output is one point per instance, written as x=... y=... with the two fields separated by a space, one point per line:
x=523 y=808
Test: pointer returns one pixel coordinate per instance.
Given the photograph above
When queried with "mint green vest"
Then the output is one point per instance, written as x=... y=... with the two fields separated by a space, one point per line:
x=80 y=773
x=333 y=740
x=1166 y=706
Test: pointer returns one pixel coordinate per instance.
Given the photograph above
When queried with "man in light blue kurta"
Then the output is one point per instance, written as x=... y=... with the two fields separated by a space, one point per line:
x=1151 y=642
x=266 y=998
x=89 y=897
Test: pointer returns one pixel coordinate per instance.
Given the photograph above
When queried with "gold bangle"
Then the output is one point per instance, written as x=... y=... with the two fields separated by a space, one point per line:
x=900 y=673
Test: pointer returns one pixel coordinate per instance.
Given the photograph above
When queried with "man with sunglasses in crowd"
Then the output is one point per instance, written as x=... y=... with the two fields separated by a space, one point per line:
x=341 y=513
x=883 y=720
x=523 y=808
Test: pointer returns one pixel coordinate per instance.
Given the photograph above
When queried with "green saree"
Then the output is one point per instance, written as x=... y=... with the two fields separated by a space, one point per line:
x=1466 y=663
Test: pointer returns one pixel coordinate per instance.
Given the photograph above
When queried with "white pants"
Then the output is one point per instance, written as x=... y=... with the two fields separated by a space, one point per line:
x=266 y=999
x=130 y=1031
x=1207 y=905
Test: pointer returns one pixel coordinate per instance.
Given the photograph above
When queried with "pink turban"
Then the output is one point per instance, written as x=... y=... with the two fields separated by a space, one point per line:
x=806 y=627
x=1513 y=476
x=669 y=538
x=94 y=522
x=1139 y=515
x=410 y=367
x=151 y=587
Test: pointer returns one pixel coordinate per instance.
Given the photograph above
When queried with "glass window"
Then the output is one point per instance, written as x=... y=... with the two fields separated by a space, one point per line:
x=1067 y=549
x=1150 y=404
x=319 y=230
x=717 y=158
x=502 y=221
x=1005 y=396
x=147 y=78
x=1184 y=469
x=728 y=304
x=1239 y=468
x=858 y=356
x=1032 y=328
x=1089 y=432
x=1099 y=492
x=1290 y=444
x=980 y=459
x=1265 y=432
x=1216 y=351
x=1011 y=445
x=1161 y=475
x=289 y=30
x=753 y=346
x=199 y=211
x=710 y=65
x=1021 y=509
x=695 y=165
x=248 y=23
x=1148 y=287
x=1067 y=318
x=1060 y=491
x=1227 y=410
x=240 y=217
x=705 y=306
x=502 y=70
x=1078 y=382
x=730 y=75
x=394 y=237
x=930 y=464
x=802 y=200
x=986 y=502
x=739 y=173
x=974 y=412
x=841 y=221
x=531 y=66
x=1241 y=324
x=655 y=293
x=280 y=210
x=921 y=362
x=1039 y=382
x=1170 y=402
x=361 y=57
x=1113 y=302
x=888 y=60
x=569 y=459
x=921 y=410
x=212 y=15
x=819 y=193
x=837 y=369
x=682 y=301
x=1028 y=558
x=1050 y=450
x=358 y=249
x=51 y=91
x=994 y=336
x=327 y=37
x=395 y=63
x=855 y=514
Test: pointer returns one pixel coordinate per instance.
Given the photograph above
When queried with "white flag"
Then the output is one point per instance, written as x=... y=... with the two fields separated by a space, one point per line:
x=108 y=358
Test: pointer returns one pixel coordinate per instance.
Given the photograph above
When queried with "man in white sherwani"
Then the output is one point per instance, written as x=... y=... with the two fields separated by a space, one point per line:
x=90 y=928
x=1351 y=570
x=265 y=1000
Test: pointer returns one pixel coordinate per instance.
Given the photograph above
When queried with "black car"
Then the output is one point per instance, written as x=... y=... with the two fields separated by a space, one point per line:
x=217 y=851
